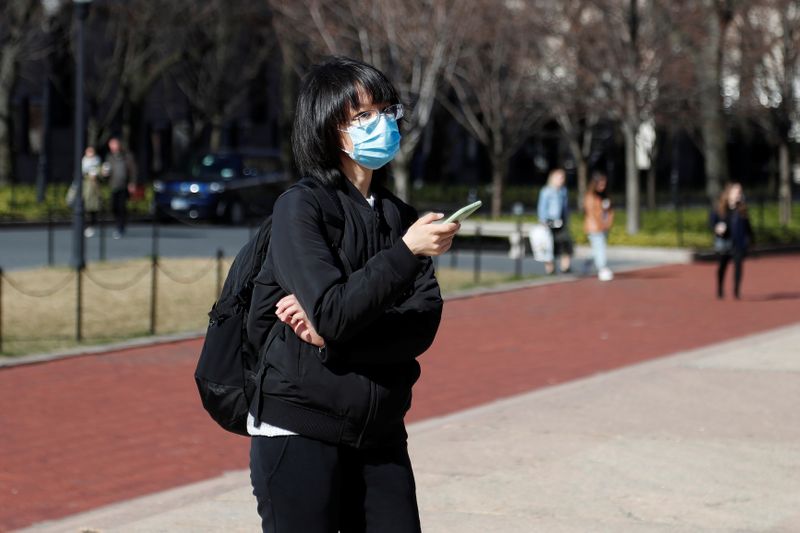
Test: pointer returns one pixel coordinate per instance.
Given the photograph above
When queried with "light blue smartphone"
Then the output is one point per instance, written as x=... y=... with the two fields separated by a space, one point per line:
x=463 y=213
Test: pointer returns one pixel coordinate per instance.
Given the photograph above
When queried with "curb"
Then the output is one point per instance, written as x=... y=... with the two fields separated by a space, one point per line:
x=787 y=249
x=98 y=349
x=64 y=223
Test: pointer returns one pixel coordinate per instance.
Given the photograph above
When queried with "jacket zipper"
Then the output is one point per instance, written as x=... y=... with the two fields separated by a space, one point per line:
x=373 y=394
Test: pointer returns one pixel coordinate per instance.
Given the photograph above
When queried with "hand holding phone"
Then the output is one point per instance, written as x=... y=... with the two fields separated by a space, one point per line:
x=428 y=237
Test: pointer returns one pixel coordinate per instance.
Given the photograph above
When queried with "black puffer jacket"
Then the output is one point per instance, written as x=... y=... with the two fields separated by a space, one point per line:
x=375 y=321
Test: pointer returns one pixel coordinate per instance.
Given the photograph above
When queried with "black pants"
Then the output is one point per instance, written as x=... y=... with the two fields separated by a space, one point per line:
x=724 y=259
x=306 y=486
x=119 y=206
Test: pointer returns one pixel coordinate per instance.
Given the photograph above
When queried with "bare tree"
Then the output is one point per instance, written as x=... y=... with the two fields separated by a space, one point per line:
x=701 y=31
x=769 y=49
x=494 y=88
x=18 y=21
x=625 y=55
x=133 y=47
x=227 y=45
x=569 y=93
x=412 y=41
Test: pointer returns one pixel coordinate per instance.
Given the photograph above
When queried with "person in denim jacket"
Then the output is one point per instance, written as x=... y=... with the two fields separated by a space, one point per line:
x=553 y=212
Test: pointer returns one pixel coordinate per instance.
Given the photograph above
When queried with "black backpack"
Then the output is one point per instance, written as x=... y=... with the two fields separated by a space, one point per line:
x=229 y=372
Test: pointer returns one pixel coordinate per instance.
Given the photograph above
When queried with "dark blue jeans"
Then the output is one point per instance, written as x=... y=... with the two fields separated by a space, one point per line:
x=306 y=486
x=737 y=256
x=119 y=207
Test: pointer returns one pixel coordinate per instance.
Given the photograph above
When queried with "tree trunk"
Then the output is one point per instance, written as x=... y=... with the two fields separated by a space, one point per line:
x=582 y=169
x=498 y=179
x=714 y=148
x=651 y=187
x=709 y=71
x=785 y=187
x=631 y=178
x=401 y=174
x=8 y=72
x=583 y=180
x=215 y=140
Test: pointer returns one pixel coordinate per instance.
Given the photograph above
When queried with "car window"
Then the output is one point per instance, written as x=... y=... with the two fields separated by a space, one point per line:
x=259 y=166
x=214 y=167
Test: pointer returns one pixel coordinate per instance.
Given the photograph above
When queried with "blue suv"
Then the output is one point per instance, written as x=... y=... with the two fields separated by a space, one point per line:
x=228 y=186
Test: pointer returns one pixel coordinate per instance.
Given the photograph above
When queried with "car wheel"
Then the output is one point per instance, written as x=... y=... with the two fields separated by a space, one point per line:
x=236 y=214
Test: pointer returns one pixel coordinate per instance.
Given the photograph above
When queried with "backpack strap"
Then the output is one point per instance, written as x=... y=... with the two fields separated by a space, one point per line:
x=332 y=217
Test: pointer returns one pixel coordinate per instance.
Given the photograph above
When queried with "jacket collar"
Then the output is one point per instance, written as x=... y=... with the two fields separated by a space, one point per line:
x=355 y=195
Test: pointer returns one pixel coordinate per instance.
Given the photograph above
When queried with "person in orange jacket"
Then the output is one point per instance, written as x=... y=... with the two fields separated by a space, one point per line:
x=597 y=222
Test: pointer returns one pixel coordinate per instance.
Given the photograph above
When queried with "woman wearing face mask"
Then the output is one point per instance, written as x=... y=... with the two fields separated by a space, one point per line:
x=733 y=234
x=341 y=329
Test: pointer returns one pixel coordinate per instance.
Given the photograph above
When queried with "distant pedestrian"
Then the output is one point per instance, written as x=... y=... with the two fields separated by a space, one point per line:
x=553 y=212
x=92 y=192
x=120 y=169
x=733 y=235
x=597 y=222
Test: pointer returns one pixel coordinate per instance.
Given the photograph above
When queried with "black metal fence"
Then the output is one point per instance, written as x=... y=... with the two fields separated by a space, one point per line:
x=78 y=279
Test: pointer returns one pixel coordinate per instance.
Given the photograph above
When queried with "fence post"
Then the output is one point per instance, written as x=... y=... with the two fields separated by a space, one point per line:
x=79 y=305
x=521 y=250
x=478 y=246
x=680 y=222
x=50 y=246
x=153 y=292
x=220 y=254
x=102 y=227
x=154 y=238
x=453 y=256
x=1 y=310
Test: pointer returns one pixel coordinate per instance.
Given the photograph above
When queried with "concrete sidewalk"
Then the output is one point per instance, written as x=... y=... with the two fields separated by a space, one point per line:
x=701 y=441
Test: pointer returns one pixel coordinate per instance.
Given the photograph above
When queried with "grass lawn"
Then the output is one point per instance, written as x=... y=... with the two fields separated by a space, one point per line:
x=116 y=301
x=19 y=203
x=660 y=227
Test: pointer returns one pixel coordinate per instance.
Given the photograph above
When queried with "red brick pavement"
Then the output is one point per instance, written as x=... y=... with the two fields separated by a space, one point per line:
x=82 y=432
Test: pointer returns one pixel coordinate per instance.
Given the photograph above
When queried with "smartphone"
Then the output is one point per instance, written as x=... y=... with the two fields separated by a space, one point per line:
x=463 y=213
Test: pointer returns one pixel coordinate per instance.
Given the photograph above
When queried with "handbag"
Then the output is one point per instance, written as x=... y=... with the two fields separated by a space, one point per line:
x=542 y=243
x=722 y=245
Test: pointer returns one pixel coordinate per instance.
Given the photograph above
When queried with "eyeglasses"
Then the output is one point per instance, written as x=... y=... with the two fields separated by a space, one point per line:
x=365 y=118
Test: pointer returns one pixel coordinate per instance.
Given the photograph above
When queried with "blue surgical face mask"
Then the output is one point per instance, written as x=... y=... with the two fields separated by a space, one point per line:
x=375 y=144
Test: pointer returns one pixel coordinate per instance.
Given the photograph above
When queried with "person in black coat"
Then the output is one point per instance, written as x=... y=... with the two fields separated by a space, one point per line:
x=341 y=328
x=733 y=235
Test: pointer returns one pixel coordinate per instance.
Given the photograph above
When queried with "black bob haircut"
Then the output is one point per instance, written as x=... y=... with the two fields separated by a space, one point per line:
x=328 y=92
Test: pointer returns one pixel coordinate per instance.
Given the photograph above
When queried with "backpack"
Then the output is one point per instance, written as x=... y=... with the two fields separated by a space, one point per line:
x=229 y=372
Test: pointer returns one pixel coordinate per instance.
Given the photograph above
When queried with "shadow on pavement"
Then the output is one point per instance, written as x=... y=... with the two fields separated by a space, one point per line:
x=774 y=296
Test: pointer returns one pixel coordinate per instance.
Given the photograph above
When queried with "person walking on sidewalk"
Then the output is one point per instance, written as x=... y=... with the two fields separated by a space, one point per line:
x=120 y=169
x=92 y=193
x=733 y=235
x=341 y=329
x=597 y=222
x=553 y=212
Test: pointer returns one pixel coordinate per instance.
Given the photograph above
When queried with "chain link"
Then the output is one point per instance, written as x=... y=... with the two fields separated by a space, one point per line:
x=41 y=293
x=118 y=286
x=188 y=281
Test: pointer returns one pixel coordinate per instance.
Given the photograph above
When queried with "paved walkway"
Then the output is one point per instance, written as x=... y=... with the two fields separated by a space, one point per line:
x=696 y=442
x=80 y=433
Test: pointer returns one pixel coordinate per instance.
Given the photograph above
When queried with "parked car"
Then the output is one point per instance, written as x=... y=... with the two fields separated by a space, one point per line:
x=228 y=186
